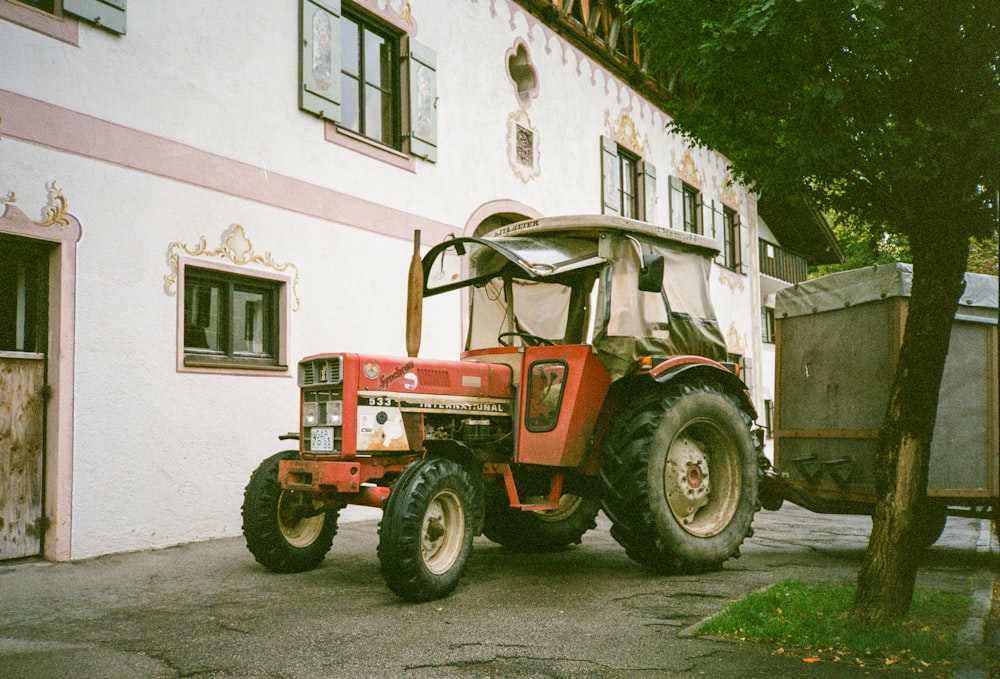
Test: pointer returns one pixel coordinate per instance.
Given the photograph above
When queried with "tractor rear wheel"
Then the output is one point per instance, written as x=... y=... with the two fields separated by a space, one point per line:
x=539 y=531
x=287 y=531
x=680 y=478
x=425 y=537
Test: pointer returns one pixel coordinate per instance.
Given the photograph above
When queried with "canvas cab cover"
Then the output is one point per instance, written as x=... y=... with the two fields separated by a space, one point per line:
x=585 y=280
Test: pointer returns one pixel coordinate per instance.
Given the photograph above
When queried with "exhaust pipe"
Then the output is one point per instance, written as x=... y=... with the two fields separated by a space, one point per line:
x=414 y=300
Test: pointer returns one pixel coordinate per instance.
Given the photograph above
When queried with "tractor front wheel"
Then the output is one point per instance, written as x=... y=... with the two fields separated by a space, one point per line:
x=287 y=531
x=680 y=478
x=428 y=524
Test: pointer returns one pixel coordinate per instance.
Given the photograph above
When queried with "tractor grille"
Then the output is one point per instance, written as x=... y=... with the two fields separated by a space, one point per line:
x=320 y=371
x=434 y=378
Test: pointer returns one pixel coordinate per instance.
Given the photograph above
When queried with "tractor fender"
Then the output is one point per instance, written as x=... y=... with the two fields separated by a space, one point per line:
x=456 y=451
x=707 y=369
x=461 y=454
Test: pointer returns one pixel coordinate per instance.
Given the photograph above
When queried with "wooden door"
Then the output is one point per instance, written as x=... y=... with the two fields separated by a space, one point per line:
x=21 y=425
x=23 y=338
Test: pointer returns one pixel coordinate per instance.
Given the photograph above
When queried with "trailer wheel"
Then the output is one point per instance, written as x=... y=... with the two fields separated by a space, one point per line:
x=930 y=527
x=427 y=528
x=287 y=531
x=539 y=531
x=680 y=478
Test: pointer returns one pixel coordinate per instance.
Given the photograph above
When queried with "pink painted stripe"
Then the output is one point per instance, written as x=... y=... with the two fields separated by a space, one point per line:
x=65 y=130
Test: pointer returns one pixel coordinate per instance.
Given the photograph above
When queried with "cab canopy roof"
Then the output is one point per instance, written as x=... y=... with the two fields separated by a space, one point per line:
x=541 y=248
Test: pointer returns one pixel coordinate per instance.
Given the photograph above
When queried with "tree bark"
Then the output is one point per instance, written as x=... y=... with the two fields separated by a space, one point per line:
x=889 y=568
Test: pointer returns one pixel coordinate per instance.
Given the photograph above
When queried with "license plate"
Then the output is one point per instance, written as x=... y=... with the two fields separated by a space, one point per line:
x=321 y=439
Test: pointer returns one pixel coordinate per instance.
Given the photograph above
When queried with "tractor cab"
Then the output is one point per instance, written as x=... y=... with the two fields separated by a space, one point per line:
x=628 y=289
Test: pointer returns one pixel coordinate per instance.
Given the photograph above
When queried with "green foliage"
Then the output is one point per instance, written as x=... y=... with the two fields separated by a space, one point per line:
x=863 y=245
x=884 y=111
x=816 y=620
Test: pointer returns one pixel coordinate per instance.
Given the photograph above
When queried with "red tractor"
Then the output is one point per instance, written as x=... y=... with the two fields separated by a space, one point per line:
x=593 y=377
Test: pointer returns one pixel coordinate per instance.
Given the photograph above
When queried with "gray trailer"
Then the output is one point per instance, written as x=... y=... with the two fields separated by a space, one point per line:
x=837 y=342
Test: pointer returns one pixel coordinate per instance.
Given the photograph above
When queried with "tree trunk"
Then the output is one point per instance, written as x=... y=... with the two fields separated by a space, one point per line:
x=889 y=569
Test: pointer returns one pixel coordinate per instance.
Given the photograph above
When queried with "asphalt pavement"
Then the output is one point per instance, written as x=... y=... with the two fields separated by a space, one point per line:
x=209 y=610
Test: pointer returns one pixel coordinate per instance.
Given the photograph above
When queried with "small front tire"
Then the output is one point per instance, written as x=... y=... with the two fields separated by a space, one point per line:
x=287 y=531
x=427 y=528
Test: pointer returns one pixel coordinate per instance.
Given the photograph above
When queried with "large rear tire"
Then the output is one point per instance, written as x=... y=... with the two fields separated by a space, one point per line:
x=287 y=531
x=539 y=531
x=680 y=478
x=425 y=538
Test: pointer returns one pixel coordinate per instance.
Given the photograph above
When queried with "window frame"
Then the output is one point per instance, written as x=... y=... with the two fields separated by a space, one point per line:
x=628 y=168
x=686 y=206
x=767 y=328
x=366 y=23
x=732 y=248
x=229 y=361
x=690 y=214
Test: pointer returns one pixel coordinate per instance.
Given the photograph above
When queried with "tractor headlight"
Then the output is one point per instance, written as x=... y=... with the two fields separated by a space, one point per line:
x=334 y=413
x=310 y=414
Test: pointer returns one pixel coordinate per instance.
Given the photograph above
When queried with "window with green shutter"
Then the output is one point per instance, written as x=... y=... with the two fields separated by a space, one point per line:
x=685 y=207
x=628 y=183
x=352 y=74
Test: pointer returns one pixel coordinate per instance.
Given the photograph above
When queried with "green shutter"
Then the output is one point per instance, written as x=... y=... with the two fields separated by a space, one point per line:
x=422 y=72
x=715 y=226
x=610 y=187
x=647 y=176
x=319 y=67
x=109 y=14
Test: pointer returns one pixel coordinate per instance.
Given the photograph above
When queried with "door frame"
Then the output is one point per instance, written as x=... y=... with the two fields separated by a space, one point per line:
x=63 y=231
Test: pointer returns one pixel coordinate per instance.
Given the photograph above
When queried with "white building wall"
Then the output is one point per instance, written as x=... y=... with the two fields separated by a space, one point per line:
x=189 y=124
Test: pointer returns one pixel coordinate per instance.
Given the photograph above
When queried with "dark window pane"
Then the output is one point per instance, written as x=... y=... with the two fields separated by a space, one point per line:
x=350 y=103
x=44 y=5
x=203 y=316
x=628 y=182
x=23 y=291
x=373 y=114
x=690 y=205
x=250 y=322
x=374 y=46
x=349 y=48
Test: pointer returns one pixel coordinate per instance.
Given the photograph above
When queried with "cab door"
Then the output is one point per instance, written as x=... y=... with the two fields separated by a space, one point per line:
x=562 y=390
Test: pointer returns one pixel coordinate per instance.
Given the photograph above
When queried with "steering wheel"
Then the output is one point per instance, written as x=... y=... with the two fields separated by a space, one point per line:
x=526 y=337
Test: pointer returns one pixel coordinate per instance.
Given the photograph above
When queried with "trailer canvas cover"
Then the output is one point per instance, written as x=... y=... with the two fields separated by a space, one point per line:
x=838 y=341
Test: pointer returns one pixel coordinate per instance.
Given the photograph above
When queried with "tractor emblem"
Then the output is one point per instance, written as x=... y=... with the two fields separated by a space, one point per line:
x=371 y=370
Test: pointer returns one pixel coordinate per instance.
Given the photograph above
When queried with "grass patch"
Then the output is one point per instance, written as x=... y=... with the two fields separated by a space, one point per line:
x=814 y=622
